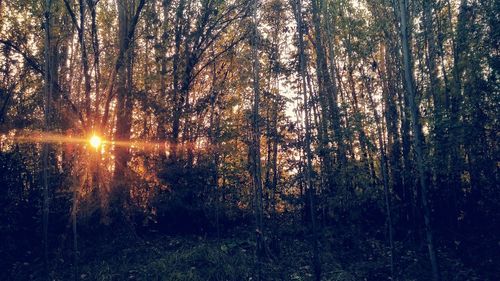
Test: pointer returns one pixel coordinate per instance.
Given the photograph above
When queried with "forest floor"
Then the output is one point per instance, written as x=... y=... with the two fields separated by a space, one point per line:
x=232 y=257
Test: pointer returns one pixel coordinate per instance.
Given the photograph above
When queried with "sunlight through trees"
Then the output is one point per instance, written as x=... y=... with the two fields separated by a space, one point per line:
x=249 y=139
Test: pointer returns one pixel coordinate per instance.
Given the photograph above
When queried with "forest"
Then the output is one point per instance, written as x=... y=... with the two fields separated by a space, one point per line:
x=259 y=140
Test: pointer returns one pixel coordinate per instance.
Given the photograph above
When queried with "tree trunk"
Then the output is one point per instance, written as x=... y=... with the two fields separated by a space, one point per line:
x=120 y=193
x=417 y=132
x=48 y=92
x=327 y=93
x=176 y=100
x=162 y=118
x=85 y=61
x=307 y=145
x=96 y=53
x=255 y=144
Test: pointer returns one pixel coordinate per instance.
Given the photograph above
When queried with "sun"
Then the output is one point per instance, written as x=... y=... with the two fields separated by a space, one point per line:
x=95 y=141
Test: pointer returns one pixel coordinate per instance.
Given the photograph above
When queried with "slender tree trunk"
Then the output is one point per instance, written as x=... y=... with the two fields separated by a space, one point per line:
x=418 y=137
x=386 y=74
x=177 y=104
x=321 y=67
x=85 y=61
x=119 y=195
x=48 y=89
x=307 y=139
x=456 y=133
x=255 y=144
x=214 y=134
x=274 y=165
x=327 y=93
x=74 y=213
x=431 y=54
x=267 y=168
x=121 y=58
x=162 y=118
x=96 y=52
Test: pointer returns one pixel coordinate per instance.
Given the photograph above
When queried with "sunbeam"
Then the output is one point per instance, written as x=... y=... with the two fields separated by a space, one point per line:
x=96 y=141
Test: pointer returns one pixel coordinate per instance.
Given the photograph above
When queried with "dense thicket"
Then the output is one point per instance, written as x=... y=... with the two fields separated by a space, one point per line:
x=271 y=139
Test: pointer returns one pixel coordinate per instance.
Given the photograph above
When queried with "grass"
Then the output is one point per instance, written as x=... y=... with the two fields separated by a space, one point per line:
x=196 y=258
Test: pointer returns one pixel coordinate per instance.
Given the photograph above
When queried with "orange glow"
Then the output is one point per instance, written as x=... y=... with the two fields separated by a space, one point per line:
x=95 y=141
x=43 y=137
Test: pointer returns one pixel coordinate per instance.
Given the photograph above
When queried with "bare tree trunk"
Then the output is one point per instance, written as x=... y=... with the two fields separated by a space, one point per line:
x=307 y=145
x=274 y=166
x=325 y=121
x=85 y=61
x=418 y=137
x=431 y=54
x=120 y=60
x=119 y=195
x=255 y=145
x=214 y=134
x=96 y=52
x=48 y=89
x=162 y=118
x=329 y=92
x=176 y=100
x=74 y=213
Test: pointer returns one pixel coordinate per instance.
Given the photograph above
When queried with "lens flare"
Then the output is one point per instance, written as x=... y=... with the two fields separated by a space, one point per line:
x=95 y=141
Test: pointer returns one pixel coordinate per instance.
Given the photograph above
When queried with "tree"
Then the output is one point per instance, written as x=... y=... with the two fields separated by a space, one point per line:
x=297 y=7
x=255 y=141
x=50 y=72
x=417 y=131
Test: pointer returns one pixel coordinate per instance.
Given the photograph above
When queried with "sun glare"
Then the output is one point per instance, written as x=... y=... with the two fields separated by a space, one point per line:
x=95 y=141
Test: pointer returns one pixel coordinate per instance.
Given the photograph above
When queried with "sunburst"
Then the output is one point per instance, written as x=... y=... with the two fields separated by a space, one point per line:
x=95 y=141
